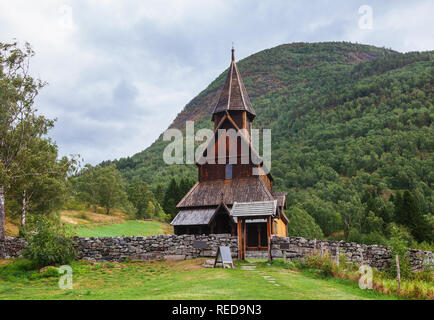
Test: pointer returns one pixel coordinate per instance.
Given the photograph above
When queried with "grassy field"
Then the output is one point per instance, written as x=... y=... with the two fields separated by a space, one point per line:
x=90 y=224
x=175 y=280
x=127 y=228
x=87 y=223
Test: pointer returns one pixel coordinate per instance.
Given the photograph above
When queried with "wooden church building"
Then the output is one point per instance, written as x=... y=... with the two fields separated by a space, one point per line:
x=229 y=197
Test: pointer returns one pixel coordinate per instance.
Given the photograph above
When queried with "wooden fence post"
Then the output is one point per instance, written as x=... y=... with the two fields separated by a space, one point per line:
x=398 y=273
x=337 y=255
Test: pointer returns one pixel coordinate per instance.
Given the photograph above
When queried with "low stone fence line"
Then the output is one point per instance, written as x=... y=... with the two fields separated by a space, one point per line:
x=11 y=247
x=171 y=247
x=376 y=256
x=180 y=247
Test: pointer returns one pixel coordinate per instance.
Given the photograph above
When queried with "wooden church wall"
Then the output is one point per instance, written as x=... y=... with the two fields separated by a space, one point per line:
x=209 y=172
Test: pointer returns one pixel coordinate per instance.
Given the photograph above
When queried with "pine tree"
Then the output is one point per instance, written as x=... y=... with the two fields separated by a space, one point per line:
x=159 y=194
x=408 y=213
x=170 y=198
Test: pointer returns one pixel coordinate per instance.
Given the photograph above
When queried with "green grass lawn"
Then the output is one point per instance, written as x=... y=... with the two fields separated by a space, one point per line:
x=176 y=280
x=127 y=228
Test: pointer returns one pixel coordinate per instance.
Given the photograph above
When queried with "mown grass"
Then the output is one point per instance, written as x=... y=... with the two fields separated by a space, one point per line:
x=175 y=280
x=127 y=228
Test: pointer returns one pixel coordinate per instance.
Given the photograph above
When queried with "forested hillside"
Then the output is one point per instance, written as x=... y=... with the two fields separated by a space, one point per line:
x=352 y=135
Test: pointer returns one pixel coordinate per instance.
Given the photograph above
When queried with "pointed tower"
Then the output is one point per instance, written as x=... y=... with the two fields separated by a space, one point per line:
x=228 y=197
x=234 y=100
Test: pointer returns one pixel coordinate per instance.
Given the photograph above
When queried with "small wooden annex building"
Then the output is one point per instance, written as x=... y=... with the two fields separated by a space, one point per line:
x=229 y=198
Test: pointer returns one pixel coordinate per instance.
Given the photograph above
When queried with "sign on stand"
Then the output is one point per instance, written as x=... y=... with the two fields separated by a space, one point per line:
x=224 y=257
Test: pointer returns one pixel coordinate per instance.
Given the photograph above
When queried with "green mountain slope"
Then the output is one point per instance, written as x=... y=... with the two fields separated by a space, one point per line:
x=350 y=124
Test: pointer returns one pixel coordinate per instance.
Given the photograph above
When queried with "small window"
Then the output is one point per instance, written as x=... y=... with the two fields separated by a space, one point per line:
x=229 y=171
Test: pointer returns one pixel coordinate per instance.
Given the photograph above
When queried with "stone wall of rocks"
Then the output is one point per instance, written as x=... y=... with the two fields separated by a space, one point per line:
x=374 y=255
x=182 y=247
x=11 y=247
x=171 y=247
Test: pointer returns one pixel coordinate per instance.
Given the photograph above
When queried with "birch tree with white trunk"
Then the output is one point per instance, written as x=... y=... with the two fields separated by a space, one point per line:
x=19 y=124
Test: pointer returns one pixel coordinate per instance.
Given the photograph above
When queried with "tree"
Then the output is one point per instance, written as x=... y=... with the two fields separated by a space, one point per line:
x=111 y=188
x=324 y=214
x=302 y=224
x=352 y=213
x=170 y=198
x=86 y=186
x=43 y=188
x=159 y=194
x=150 y=210
x=408 y=213
x=19 y=124
x=140 y=196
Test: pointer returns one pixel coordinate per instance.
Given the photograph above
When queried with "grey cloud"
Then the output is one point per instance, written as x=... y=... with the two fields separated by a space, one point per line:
x=129 y=67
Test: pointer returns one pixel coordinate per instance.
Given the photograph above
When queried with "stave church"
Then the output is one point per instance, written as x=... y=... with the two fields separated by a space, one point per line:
x=229 y=197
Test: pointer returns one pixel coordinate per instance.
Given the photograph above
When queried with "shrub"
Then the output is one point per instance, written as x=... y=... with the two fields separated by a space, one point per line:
x=48 y=243
x=399 y=246
x=323 y=263
x=374 y=237
x=354 y=236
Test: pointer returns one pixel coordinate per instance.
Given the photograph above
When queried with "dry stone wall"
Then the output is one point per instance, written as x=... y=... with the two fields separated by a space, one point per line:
x=172 y=247
x=374 y=255
x=180 y=247
x=11 y=247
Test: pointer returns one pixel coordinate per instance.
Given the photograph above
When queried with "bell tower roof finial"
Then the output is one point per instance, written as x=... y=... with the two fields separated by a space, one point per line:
x=233 y=52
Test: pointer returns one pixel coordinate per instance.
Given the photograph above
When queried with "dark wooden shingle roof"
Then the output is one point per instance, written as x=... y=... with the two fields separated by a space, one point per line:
x=212 y=193
x=191 y=217
x=281 y=198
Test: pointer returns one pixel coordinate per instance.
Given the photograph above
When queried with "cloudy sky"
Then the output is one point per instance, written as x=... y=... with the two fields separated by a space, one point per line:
x=119 y=71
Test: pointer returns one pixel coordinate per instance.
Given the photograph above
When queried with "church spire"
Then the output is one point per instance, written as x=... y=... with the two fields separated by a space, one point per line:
x=234 y=95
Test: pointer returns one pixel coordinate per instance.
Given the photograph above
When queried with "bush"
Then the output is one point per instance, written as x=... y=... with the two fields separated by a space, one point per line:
x=48 y=243
x=399 y=246
x=323 y=263
x=374 y=237
x=354 y=236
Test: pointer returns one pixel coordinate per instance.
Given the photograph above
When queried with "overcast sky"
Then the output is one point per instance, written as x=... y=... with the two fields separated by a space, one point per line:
x=119 y=71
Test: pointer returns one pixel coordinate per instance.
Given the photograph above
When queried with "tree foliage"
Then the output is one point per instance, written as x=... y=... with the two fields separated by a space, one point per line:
x=302 y=224
x=100 y=186
x=28 y=161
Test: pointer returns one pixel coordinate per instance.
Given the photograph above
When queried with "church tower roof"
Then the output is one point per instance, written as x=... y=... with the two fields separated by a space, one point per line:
x=234 y=95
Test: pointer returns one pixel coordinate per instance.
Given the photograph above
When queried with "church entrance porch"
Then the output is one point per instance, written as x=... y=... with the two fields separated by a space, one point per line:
x=254 y=223
x=256 y=236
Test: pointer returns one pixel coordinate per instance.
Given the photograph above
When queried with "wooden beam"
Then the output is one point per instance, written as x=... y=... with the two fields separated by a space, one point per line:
x=244 y=239
x=240 y=240
x=244 y=120
x=269 y=238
